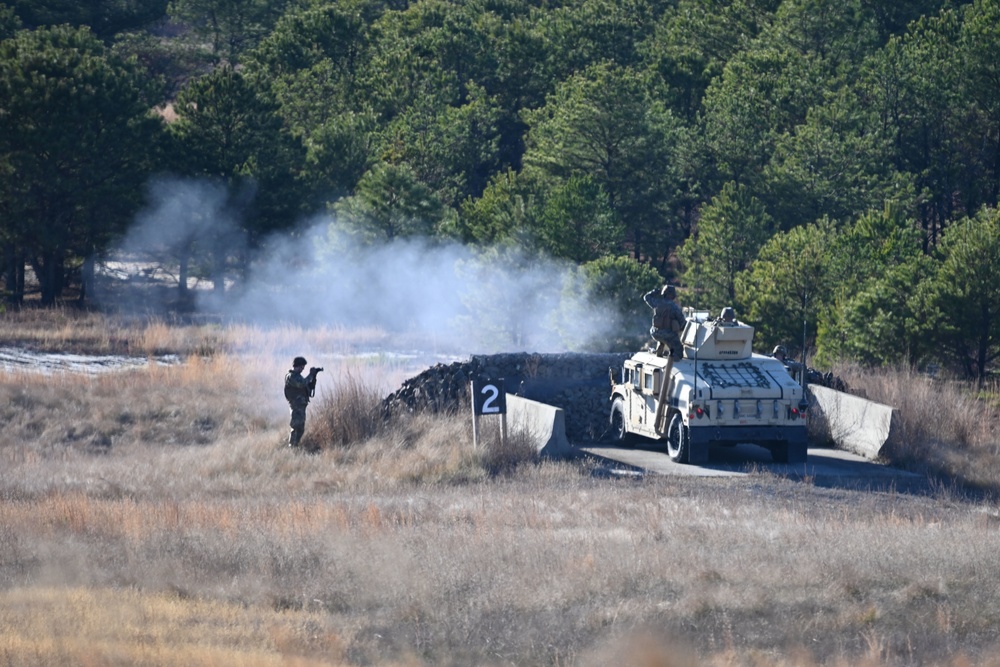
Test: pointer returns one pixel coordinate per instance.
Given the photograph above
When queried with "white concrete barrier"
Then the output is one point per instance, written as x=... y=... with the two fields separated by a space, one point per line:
x=856 y=424
x=546 y=425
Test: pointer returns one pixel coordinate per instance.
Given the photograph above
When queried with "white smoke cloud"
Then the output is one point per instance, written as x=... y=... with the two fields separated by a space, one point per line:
x=180 y=210
x=492 y=301
x=469 y=301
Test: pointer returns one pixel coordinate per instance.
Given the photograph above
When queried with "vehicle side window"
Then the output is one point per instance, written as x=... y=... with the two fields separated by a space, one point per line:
x=648 y=382
x=636 y=373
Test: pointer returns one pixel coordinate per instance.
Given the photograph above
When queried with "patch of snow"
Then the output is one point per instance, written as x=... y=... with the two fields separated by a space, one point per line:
x=13 y=359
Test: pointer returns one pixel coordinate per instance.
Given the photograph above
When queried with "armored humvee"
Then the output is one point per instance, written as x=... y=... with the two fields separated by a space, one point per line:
x=718 y=393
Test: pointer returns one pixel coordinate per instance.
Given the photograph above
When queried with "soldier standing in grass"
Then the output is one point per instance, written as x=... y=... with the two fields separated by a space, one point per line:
x=668 y=320
x=298 y=390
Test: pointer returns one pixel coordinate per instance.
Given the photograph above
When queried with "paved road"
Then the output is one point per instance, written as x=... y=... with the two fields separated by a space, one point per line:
x=824 y=467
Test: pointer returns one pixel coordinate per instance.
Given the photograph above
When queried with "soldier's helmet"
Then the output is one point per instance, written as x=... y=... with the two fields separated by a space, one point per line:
x=298 y=361
x=779 y=349
x=668 y=291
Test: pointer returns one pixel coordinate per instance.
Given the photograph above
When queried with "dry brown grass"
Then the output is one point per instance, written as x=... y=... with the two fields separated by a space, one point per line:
x=941 y=427
x=547 y=567
x=152 y=517
x=98 y=626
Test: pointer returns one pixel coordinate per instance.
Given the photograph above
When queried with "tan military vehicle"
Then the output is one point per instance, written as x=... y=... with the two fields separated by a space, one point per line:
x=719 y=393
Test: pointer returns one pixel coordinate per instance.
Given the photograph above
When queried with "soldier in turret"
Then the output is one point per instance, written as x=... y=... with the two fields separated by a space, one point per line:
x=794 y=368
x=298 y=390
x=668 y=320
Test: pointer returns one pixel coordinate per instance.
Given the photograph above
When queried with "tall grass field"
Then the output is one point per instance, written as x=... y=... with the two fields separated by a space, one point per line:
x=153 y=516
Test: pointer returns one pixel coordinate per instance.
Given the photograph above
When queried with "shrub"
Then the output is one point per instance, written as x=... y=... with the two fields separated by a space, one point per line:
x=352 y=413
x=505 y=455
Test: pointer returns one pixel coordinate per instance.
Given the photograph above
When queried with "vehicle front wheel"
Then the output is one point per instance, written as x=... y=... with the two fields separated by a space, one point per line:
x=619 y=429
x=678 y=442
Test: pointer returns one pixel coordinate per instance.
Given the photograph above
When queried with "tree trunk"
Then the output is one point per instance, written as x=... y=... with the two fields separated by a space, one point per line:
x=10 y=271
x=61 y=277
x=47 y=272
x=51 y=278
x=87 y=272
x=219 y=273
x=182 y=277
x=18 y=293
x=38 y=268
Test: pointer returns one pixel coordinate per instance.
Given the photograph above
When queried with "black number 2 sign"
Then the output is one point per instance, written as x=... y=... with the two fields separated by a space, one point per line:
x=489 y=397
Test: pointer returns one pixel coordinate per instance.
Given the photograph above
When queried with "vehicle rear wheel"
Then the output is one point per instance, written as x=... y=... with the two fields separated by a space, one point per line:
x=785 y=452
x=678 y=442
x=619 y=429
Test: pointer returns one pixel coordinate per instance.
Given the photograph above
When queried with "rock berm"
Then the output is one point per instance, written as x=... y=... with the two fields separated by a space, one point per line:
x=579 y=383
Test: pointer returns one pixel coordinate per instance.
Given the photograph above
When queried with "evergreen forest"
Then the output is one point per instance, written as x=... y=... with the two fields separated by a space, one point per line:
x=830 y=168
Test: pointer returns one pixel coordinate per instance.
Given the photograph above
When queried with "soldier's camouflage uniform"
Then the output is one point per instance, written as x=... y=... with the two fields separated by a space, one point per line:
x=297 y=392
x=668 y=321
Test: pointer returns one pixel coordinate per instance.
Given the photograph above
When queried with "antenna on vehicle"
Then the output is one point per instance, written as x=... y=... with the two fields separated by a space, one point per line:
x=696 y=348
x=803 y=402
x=805 y=301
